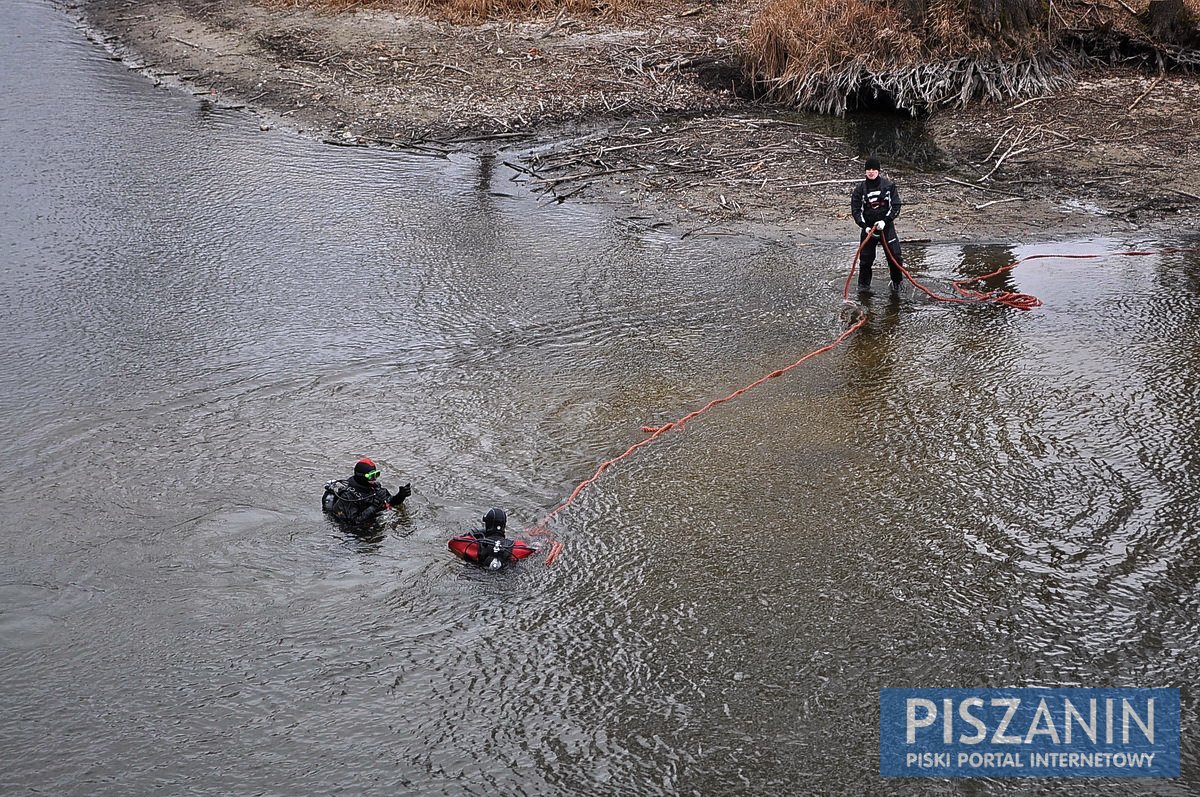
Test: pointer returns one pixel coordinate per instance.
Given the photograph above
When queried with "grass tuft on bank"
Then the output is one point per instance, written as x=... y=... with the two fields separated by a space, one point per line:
x=463 y=11
x=919 y=55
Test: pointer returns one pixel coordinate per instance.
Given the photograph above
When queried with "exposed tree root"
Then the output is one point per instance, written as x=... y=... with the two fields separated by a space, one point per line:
x=832 y=56
x=920 y=87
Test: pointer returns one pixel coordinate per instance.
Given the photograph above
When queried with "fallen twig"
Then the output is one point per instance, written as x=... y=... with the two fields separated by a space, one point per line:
x=489 y=137
x=1143 y=95
x=1026 y=102
x=1185 y=193
x=826 y=182
x=185 y=41
x=606 y=150
x=1007 y=153
x=998 y=142
x=557 y=23
x=981 y=188
x=519 y=169
x=553 y=181
x=998 y=201
x=560 y=198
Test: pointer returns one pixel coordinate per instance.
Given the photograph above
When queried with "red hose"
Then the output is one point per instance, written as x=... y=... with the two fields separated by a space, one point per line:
x=655 y=432
x=1020 y=301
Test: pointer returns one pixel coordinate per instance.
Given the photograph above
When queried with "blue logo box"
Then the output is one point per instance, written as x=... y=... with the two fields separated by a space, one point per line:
x=1029 y=732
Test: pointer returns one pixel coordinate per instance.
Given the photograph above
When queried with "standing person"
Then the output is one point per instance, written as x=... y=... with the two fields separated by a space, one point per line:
x=875 y=204
x=360 y=498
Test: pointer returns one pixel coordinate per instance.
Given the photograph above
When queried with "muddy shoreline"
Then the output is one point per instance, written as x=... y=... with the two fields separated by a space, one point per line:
x=648 y=113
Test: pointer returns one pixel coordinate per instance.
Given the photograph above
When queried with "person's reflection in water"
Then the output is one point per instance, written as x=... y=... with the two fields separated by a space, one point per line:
x=487 y=170
x=363 y=540
x=871 y=354
x=1190 y=261
x=980 y=259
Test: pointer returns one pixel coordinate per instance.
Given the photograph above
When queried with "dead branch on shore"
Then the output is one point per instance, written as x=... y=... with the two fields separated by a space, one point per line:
x=983 y=205
x=714 y=154
x=844 y=181
x=1153 y=84
x=982 y=188
x=1011 y=151
x=185 y=41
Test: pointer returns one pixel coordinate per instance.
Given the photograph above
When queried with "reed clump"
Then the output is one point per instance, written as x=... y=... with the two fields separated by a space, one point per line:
x=833 y=55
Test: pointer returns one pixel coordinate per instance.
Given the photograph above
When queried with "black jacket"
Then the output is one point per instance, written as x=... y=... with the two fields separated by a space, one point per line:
x=874 y=200
x=350 y=501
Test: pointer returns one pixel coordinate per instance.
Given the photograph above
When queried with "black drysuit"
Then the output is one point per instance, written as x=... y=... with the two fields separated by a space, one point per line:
x=493 y=546
x=872 y=201
x=357 y=502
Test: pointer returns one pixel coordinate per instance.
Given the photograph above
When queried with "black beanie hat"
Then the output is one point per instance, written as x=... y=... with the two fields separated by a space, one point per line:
x=872 y=163
x=364 y=466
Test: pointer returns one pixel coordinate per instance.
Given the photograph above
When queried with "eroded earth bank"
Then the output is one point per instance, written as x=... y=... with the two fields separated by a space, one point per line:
x=651 y=111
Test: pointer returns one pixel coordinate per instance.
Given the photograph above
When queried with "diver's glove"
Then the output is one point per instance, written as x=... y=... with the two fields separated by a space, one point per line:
x=401 y=494
x=879 y=225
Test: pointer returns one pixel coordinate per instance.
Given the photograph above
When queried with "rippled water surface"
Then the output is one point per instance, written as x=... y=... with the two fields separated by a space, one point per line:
x=203 y=322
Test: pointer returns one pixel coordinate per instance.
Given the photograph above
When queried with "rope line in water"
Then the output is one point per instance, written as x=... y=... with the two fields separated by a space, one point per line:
x=656 y=432
x=1019 y=301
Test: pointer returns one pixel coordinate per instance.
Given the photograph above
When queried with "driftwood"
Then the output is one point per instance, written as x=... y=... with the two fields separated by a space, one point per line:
x=1144 y=94
x=493 y=137
x=345 y=143
x=999 y=201
x=713 y=154
x=825 y=182
x=982 y=188
x=188 y=43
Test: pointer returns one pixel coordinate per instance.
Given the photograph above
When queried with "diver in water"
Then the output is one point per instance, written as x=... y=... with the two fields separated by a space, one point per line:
x=875 y=204
x=360 y=498
x=488 y=547
x=494 y=549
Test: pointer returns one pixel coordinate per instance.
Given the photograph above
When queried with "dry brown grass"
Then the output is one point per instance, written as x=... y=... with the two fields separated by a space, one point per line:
x=793 y=37
x=464 y=10
x=830 y=55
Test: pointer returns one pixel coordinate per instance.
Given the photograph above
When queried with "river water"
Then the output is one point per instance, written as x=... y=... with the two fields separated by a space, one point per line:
x=203 y=322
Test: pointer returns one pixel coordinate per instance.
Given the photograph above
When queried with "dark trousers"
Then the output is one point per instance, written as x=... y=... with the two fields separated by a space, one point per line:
x=867 y=259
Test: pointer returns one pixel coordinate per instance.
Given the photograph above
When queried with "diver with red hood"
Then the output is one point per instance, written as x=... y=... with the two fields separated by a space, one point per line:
x=360 y=498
